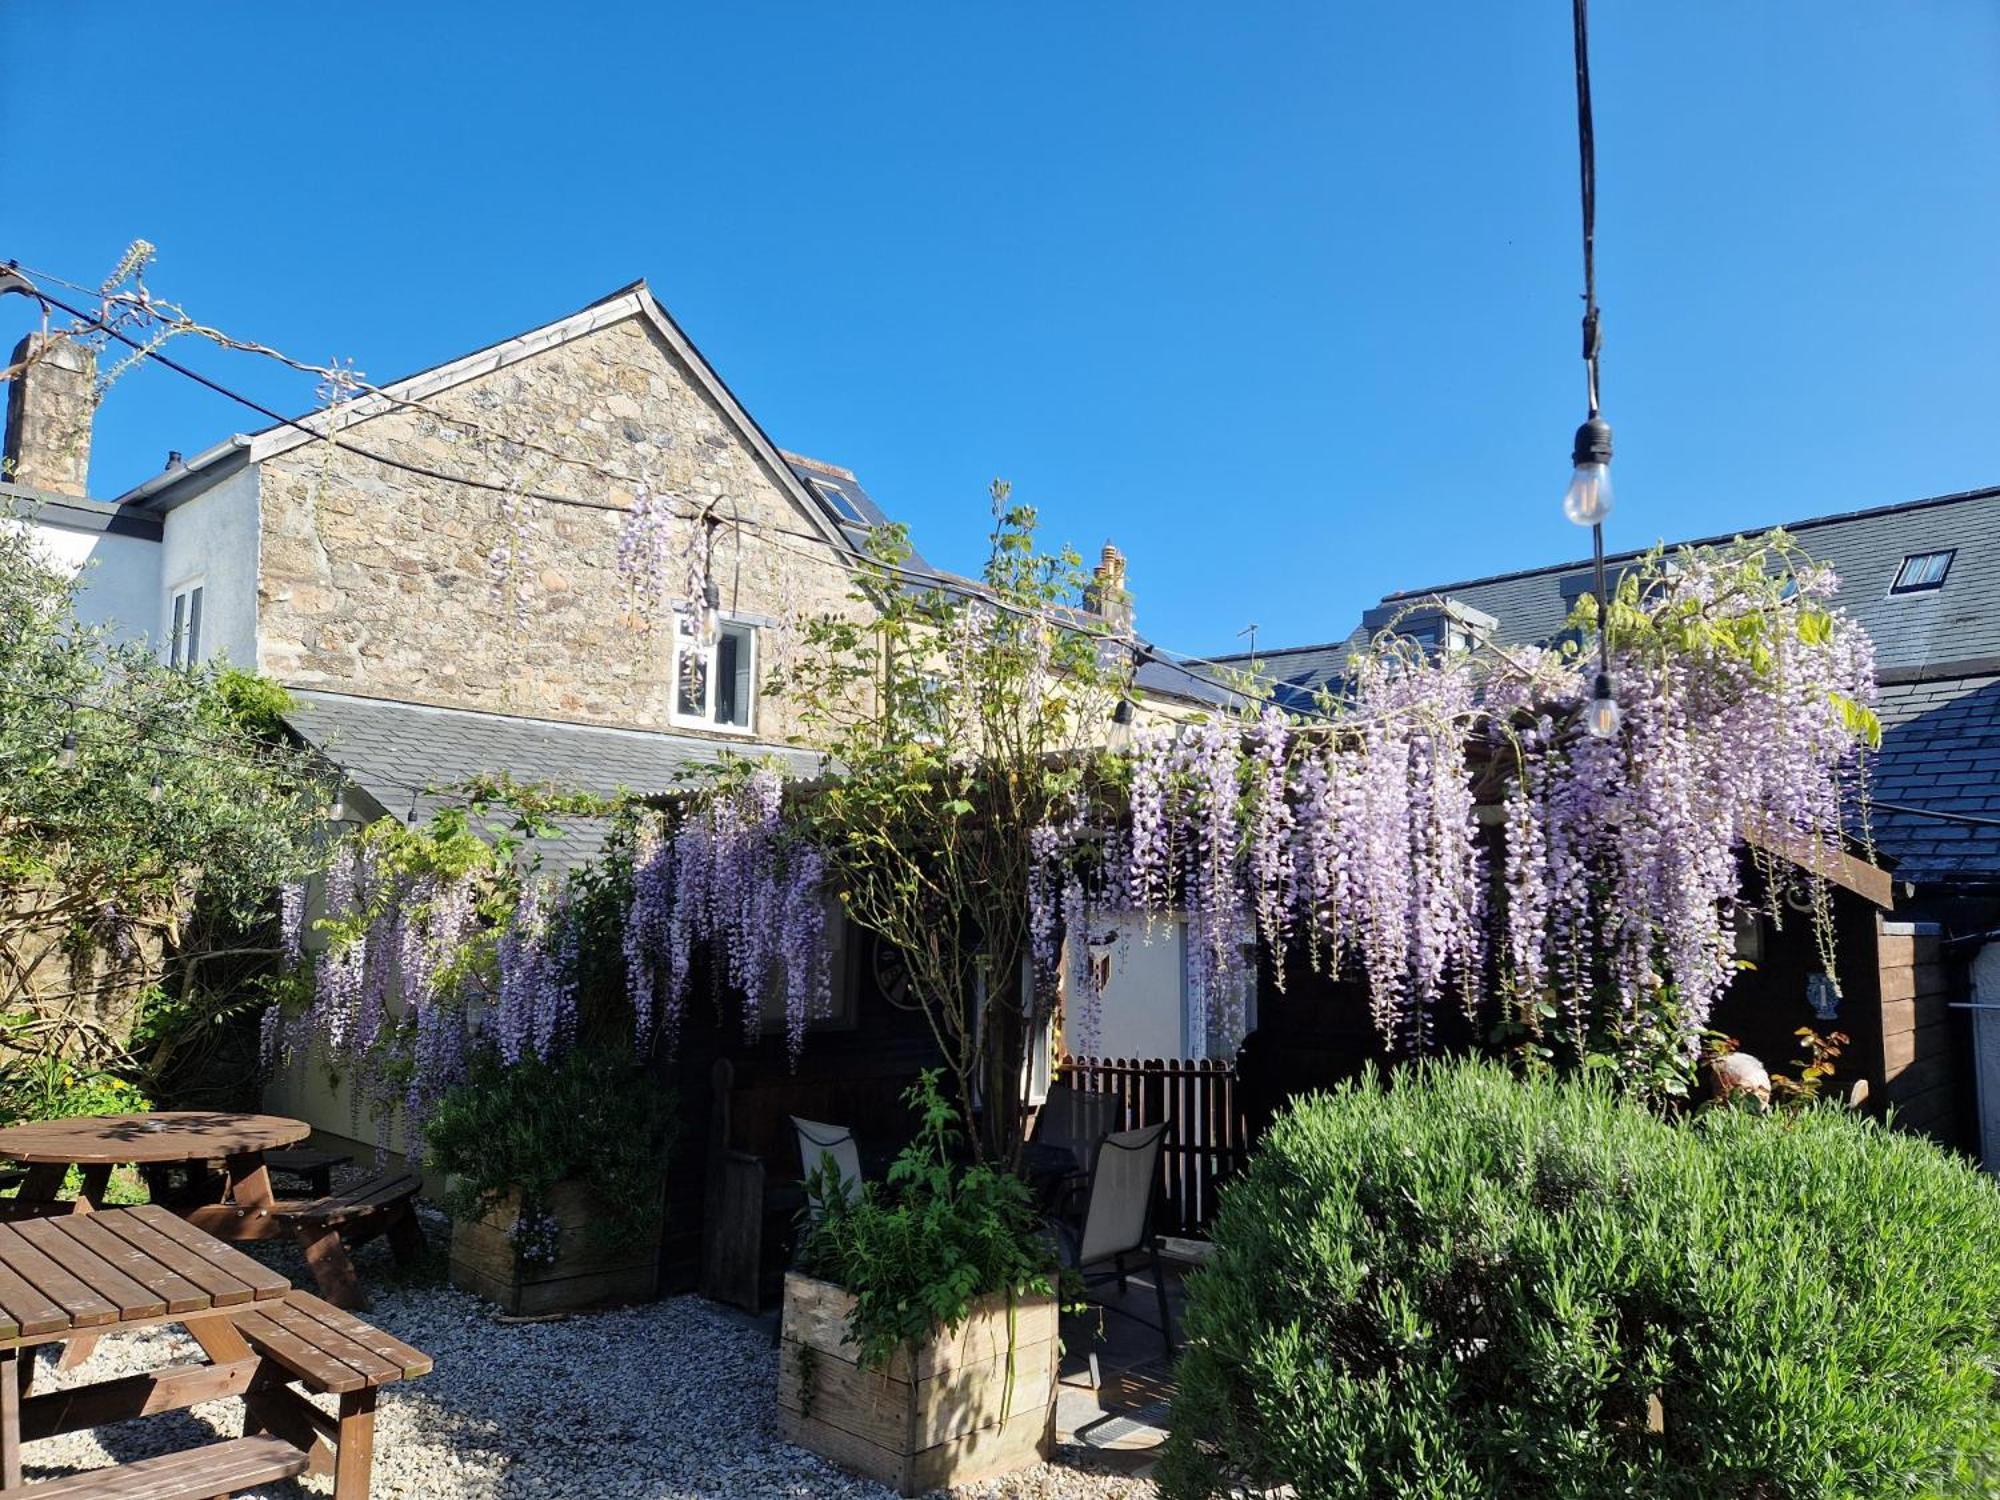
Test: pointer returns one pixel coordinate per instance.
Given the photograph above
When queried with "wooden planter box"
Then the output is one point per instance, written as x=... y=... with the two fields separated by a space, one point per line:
x=942 y=1414
x=482 y=1260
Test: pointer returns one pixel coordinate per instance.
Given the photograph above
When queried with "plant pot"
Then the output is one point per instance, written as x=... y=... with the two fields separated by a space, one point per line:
x=962 y=1407
x=582 y=1274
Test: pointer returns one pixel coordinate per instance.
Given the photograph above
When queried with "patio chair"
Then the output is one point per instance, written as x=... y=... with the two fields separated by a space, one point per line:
x=1076 y=1119
x=819 y=1144
x=1118 y=1222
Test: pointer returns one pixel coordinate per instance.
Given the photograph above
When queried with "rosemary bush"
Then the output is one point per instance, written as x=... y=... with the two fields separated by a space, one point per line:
x=589 y=1118
x=1465 y=1284
x=918 y=1251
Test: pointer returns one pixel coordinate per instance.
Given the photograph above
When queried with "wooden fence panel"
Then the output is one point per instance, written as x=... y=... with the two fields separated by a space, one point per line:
x=1206 y=1140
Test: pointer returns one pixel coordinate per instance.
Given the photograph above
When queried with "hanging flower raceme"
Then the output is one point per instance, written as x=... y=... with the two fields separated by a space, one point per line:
x=735 y=880
x=1356 y=837
x=534 y=1010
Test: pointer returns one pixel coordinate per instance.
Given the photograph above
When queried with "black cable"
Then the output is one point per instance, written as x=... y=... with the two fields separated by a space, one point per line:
x=1939 y=813
x=1586 y=151
x=1586 y=156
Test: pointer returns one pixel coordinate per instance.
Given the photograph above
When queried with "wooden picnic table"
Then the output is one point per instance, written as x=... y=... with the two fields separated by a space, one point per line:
x=96 y=1143
x=241 y=1207
x=89 y=1274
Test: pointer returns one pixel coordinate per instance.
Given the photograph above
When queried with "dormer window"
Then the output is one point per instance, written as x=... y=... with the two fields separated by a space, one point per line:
x=1922 y=572
x=837 y=498
x=1450 y=629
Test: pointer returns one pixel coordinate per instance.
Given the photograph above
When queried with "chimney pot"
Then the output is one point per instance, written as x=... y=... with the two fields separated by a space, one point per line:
x=50 y=404
x=1106 y=595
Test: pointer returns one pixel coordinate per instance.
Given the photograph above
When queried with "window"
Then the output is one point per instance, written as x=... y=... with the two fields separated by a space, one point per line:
x=843 y=507
x=184 y=639
x=1922 y=571
x=714 y=686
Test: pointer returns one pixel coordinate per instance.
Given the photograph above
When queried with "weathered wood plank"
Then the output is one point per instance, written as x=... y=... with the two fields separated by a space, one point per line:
x=959 y=1409
x=86 y=1308
x=180 y=1294
x=174 y=1388
x=817 y=1312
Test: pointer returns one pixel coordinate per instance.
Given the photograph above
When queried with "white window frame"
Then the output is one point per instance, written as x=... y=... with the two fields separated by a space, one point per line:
x=705 y=718
x=184 y=633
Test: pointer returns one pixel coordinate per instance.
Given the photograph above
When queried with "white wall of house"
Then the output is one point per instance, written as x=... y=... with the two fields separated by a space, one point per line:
x=120 y=574
x=212 y=540
x=1145 y=1010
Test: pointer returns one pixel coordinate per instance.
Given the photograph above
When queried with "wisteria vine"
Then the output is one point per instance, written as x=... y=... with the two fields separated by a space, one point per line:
x=730 y=875
x=1606 y=898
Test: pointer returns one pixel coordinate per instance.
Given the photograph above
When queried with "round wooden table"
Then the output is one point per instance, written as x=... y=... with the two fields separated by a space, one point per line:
x=97 y=1143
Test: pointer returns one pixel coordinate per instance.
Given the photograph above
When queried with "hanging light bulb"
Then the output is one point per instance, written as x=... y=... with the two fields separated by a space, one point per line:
x=66 y=756
x=155 y=791
x=1587 y=501
x=1603 y=716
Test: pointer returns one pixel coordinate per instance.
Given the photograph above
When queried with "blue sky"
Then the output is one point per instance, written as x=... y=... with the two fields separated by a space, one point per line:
x=1282 y=298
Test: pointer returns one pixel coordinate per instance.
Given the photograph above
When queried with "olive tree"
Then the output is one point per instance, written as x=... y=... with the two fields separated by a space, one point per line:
x=136 y=799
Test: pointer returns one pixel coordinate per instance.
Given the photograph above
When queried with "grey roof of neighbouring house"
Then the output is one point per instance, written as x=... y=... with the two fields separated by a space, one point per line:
x=396 y=752
x=1937 y=653
x=1941 y=751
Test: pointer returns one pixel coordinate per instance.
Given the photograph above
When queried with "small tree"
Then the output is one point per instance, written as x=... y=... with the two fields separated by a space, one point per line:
x=958 y=719
x=134 y=798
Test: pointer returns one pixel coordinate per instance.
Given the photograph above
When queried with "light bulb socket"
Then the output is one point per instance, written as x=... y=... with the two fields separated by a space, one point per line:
x=1605 y=688
x=1122 y=714
x=1593 y=443
x=711 y=594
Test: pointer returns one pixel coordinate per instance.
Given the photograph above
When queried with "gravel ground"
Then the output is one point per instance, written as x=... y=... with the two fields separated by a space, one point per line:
x=673 y=1399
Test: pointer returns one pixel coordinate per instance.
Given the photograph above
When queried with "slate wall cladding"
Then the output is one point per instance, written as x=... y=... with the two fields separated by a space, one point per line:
x=377 y=582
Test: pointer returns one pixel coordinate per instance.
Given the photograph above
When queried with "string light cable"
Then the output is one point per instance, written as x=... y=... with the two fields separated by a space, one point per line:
x=706 y=516
x=769 y=531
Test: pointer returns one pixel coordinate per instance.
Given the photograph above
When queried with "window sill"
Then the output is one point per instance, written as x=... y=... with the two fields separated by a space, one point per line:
x=709 y=726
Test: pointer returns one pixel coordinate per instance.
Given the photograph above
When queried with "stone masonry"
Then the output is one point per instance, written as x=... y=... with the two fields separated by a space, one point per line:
x=378 y=582
x=50 y=404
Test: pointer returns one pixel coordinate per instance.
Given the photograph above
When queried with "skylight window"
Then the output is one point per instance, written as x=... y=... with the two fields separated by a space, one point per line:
x=1922 y=571
x=843 y=507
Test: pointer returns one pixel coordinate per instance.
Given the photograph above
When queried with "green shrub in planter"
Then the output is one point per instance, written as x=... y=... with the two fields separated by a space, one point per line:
x=1469 y=1285
x=591 y=1118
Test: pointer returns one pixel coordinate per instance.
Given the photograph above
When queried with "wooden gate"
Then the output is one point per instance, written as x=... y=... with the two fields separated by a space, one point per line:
x=1206 y=1141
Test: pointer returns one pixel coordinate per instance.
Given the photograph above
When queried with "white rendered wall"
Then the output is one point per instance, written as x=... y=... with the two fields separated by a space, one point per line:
x=1144 y=1010
x=120 y=574
x=212 y=540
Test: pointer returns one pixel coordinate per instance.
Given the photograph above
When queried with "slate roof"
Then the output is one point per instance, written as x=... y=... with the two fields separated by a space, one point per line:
x=392 y=750
x=1937 y=653
x=1941 y=751
x=844 y=499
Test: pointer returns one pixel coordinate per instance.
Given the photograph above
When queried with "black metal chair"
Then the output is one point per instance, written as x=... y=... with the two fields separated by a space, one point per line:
x=1118 y=1223
x=1076 y=1120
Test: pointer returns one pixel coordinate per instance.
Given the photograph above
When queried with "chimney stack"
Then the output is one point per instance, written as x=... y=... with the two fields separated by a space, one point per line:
x=1106 y=595
x=50 y=404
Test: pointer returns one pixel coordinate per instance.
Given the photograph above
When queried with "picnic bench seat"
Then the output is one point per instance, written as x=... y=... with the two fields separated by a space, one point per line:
x=326 y=1228
x=329 y=1352
x=316 y=1167
x=206 y=1473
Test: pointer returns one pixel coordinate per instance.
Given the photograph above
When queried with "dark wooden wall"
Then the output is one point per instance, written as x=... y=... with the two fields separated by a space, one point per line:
x=853 y=1075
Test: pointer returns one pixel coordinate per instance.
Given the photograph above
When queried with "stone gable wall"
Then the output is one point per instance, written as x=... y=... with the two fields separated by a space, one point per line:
x=378 y=582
